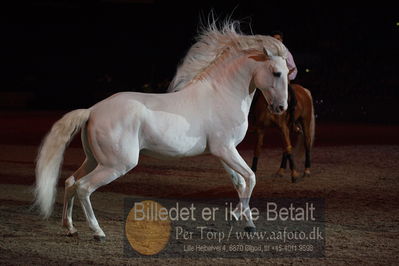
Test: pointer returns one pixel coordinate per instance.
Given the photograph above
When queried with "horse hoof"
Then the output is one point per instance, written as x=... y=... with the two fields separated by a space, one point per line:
x=99 y=238
x=232 y=222
x=306 y=175
x=250 y=229
x=72 y=234
x=279 y=173
x=296 y=180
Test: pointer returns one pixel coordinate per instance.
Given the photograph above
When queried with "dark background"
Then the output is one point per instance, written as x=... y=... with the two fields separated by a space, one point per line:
x=62 y=55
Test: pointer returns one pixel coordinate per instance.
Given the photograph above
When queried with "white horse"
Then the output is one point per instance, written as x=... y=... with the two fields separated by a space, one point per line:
x=209 y=114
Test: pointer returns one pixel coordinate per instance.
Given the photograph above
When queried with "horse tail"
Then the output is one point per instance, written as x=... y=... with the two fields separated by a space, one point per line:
x=300 y=143
x=50 y=157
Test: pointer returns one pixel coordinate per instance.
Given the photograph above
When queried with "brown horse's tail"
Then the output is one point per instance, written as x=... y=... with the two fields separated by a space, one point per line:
x=309 y=130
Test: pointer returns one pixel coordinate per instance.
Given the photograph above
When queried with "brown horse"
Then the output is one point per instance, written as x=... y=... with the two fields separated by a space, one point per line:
x=304 y=115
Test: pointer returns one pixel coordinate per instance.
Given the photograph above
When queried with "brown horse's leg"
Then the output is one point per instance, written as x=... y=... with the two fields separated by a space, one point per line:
x=258 y=147
x=283 y=164
x=287 y=148
x=287 y=154
x=308 y=145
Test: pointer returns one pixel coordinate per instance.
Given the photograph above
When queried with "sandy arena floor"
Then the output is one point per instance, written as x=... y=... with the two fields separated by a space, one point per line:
x=358 y=182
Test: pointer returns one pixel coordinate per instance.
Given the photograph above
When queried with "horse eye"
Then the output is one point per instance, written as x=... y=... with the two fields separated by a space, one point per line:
x=277 y=74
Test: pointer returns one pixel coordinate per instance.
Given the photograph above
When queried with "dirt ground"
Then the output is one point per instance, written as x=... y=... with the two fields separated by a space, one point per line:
x=358 y=182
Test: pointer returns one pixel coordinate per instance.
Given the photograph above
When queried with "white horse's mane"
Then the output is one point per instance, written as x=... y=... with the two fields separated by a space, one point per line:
x=212 y=42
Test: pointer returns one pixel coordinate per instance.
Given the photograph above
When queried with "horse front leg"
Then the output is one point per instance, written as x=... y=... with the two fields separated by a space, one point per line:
x=287 y=154
x=232 y=159
x=258 y=147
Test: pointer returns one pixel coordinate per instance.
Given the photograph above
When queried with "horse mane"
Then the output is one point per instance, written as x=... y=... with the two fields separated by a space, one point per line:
x=211 y=43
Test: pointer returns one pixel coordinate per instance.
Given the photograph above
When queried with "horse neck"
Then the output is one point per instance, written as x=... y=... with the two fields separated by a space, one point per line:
x=233 y=79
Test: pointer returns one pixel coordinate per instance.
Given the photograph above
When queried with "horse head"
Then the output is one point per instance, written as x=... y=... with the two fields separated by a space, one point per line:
x=271 y=77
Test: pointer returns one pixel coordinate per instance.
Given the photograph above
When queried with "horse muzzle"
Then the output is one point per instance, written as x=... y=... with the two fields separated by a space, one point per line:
x=277 y=108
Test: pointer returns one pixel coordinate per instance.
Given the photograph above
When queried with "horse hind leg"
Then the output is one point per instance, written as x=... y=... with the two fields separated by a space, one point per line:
x=70 y=190
x=102 y=175
x=308 y=139
x=85 y=186
x=68 y=206
x=88 y=165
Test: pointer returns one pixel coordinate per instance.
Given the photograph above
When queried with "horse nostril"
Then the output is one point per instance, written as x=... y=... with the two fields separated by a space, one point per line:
x=281 y=107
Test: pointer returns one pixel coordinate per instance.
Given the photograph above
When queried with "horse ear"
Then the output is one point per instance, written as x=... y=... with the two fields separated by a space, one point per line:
x=267 y=52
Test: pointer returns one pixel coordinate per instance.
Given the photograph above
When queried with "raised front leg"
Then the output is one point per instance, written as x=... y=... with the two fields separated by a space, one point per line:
x=234 y=162
x=238 y=180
